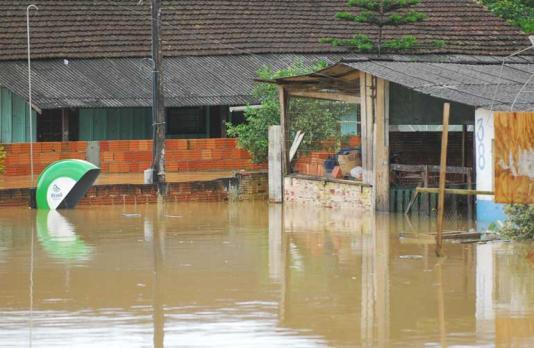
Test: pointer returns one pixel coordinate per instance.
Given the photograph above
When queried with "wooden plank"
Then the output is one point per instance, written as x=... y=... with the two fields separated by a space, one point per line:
x=7 y=116
x=283 y=97
x=381 y=148
x=442 y=174
x=113 y=124
x=464 y=145
x=514 y=157
x=100 y=124
x=19 y=119
x=461 y=192
x=414 y=168
x=425 y=204
x=325 y=96
x=411 y=203
x=86 y=124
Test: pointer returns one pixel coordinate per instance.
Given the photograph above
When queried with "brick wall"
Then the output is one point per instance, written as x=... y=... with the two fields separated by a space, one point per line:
x=134 y=156
x=17 y=161
x=312 y=163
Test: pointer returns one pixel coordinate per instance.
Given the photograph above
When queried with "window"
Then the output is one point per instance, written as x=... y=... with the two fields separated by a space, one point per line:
x=186 y=122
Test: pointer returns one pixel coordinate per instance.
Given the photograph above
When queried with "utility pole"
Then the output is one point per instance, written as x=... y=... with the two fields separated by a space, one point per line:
x=158 y=106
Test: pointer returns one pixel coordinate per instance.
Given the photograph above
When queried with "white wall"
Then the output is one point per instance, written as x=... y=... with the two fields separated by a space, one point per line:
x=484 y=135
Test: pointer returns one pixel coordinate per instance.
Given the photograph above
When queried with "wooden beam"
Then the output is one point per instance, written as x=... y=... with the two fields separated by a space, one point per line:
x=461 y=192
x=381 y=147
x=366 y=119
x=283 y=96
x=442 y=177
x=352 y=99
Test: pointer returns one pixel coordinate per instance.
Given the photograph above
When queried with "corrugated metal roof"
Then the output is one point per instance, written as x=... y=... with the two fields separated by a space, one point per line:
x=126 y=82
x=480 y=85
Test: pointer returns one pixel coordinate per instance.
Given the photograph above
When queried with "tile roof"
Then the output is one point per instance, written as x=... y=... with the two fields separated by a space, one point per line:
x=121 y=28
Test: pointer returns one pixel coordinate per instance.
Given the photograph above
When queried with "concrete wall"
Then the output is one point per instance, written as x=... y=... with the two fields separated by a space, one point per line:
x=487 y=210
x=15 y=119
x=327 y=193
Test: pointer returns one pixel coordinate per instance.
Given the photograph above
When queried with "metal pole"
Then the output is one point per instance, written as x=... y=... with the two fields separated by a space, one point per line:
x=158 y=107
x=30 y=7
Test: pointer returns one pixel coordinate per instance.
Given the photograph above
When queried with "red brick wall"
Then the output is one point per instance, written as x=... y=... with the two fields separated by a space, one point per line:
x=313 y=163
x=133 y=156
x=17 y=161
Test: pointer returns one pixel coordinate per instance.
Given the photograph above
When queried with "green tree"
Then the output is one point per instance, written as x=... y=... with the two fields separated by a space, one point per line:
x=517 y=12
x=318 y=119
x=380 y=14
x=520 y=222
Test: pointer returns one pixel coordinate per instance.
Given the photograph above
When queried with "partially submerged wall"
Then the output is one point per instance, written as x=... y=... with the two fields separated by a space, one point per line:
x=241 y=187
x=327 y=192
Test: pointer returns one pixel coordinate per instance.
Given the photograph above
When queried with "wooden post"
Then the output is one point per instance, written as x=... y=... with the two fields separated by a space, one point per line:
x=276 y=192
x=158 y=107
x=464 y=145
x=283 y=95
x=425 y=202
x=367 y=124
x=442 y=178
x=381 y=147
x=469 y=198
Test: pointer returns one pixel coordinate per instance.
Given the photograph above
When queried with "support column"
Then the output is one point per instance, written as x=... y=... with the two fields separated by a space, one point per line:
x=381 y=146
x=283 y=95
x=276 y=191
x=366 y=119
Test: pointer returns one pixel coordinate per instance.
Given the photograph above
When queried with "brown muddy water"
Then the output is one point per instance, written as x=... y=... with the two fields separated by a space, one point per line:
x=236 y=275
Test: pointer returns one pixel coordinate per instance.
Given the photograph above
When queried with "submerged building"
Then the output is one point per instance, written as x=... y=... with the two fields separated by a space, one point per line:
x=92 y=76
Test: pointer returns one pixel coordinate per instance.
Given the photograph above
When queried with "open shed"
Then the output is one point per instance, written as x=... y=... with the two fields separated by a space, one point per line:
x=405 y=95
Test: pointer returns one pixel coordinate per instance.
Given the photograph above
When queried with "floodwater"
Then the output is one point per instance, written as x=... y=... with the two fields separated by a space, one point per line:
x=237 y=275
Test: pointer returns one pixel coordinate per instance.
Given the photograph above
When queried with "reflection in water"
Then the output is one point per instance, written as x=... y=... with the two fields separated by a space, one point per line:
x=58 y=236
x=252 y=274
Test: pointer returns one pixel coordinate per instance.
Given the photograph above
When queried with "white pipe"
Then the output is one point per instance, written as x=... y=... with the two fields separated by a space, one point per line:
x=30 y=7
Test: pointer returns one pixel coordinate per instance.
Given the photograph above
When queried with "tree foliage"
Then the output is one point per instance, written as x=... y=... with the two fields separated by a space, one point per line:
x=318 y=119
x=379 y=13
x=517 y=12
x=520 y=222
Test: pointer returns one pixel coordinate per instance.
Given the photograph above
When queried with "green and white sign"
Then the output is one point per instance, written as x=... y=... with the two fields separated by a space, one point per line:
x=62 y=184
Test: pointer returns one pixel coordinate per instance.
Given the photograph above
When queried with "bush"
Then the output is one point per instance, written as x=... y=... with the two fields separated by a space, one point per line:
x=520 y=222
x=318 y=119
